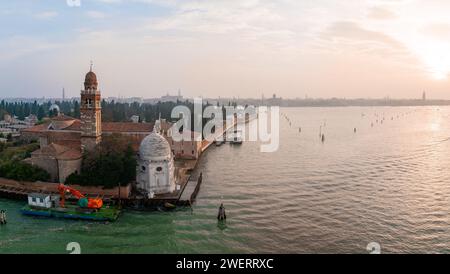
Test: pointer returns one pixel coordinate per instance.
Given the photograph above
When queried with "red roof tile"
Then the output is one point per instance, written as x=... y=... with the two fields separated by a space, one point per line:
x=109 y=127
x=71 y=154
x=37 y=128
x=126 y=127
x=59 y=151
x=62 y=117
x=76 y=126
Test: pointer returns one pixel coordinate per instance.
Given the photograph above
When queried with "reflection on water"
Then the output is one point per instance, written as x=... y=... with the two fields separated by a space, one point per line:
x=387 y=184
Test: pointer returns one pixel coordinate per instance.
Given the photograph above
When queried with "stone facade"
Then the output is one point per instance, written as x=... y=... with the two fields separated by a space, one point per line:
x=155 y=169
x=90 y=113
x=59 y=161
x=185 y=149
x=190 y=149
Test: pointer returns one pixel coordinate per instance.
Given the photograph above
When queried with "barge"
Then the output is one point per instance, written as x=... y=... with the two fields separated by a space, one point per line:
x=73 y=212
x=55 y=206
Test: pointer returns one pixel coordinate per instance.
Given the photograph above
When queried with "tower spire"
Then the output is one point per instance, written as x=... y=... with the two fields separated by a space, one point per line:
x=92 y=64
x=158 y=124
x=90 y=112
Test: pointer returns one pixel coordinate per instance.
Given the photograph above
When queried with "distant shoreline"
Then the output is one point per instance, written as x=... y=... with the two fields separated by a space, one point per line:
x=307 y=102
x=364 y=103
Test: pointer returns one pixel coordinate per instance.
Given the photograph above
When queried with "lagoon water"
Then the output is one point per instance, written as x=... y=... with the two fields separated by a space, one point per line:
x=388 y=184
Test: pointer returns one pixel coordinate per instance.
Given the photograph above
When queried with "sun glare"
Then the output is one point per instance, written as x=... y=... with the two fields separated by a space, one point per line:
x=436 y=59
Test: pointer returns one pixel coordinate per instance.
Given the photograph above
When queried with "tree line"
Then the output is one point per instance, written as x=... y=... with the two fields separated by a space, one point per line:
x=111 y=111
x=25 y=109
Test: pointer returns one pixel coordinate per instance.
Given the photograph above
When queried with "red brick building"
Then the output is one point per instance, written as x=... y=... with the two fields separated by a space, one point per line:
x=63 y=139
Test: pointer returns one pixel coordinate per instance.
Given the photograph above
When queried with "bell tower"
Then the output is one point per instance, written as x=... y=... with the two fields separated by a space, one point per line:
x=90 y=112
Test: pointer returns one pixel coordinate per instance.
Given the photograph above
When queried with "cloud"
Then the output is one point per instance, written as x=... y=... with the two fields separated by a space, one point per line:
x=217 y=17
x=351 y=33
x=110 y=1
x=96 y=14
x=46 y=15
x=18 y=46
x=439 y=31
x=380 y=13
x=352 y=41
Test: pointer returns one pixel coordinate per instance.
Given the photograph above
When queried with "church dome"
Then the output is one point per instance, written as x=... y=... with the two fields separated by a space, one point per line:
x=154 y=146
x=90 y=81
x=54 y=108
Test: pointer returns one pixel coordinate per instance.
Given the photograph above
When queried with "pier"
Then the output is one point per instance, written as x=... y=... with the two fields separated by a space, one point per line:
x=185 y=196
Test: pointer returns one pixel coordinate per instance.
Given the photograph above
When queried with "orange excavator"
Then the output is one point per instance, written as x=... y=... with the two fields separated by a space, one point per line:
x=83 y=201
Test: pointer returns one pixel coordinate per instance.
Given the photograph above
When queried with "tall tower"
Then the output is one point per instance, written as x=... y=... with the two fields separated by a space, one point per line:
x=90 y=112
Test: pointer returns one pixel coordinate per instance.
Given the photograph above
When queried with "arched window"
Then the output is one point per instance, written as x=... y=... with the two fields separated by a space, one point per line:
x=159 y=169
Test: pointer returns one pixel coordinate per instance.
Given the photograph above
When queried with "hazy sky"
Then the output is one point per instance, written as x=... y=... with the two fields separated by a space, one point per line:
x=241 y=48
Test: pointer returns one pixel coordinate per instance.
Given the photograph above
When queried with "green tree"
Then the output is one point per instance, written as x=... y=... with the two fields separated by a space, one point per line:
x=76 y=109
x=20 y=171
x=40 y=113
x=112 y=162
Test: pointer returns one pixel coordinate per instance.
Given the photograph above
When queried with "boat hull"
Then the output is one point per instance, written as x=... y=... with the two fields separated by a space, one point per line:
x=103 y=215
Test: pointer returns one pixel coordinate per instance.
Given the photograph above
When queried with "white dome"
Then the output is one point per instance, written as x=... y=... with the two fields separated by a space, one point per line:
x=154 y=146
x=54 y=107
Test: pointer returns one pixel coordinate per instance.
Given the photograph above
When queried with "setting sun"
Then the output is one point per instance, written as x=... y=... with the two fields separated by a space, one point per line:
x=436 y=59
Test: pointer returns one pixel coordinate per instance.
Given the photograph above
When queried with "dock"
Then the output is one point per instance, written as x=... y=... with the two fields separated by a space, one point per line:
x=12 y=189
x=191 y=191
x=185 y=196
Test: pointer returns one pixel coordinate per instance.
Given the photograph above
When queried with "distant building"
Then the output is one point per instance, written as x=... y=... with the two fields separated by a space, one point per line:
x=31 y=120
x=274 y=101
x=135 y=119
x=12 y=125
x=171 y=98
x=8 y=118
x=424 y=96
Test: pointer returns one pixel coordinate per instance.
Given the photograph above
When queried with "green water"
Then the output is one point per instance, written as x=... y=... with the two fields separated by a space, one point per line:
x=182 y=231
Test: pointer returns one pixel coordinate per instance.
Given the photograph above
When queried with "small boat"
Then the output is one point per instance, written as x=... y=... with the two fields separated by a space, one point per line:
x=169 y=206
